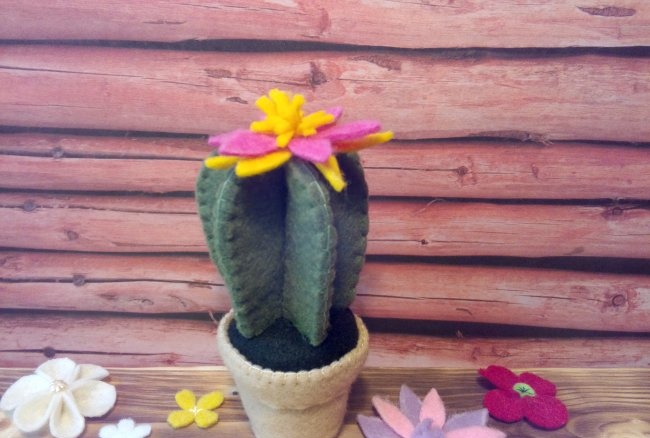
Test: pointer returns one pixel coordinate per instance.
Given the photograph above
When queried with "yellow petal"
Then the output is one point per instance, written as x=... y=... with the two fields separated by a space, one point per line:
x=284 y=138
x=178 y=419
x=185 y=399
x=365 y=142
x=332 y=173
x=313 y=121
x=262 y=126
x=210 y=401
x=220 y=162
x=280 y=99
x=255 y=166
x=266 y=105
x=205 y=418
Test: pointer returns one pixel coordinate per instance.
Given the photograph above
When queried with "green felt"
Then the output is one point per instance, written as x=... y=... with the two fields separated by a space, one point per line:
x=244 y=223
x=282 y=348
x=350 y=211
x=309 y=251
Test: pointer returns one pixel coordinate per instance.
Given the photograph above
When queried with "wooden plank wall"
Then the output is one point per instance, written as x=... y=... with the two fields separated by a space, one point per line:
x=510 y=219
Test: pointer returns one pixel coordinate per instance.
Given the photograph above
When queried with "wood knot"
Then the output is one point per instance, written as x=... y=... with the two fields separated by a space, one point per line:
x=58 y=152
x=71 y=235
x=49 y=352
x=29 y=205
x=619 y=300
x=78 y=280
x=462 y=171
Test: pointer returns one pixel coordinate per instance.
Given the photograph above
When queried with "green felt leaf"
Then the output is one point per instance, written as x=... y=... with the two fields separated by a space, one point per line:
x=310 y=251
x=350 y=210
x=244 y=223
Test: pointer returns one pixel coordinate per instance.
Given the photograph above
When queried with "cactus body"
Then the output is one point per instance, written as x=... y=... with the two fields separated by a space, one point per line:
x=286 y=244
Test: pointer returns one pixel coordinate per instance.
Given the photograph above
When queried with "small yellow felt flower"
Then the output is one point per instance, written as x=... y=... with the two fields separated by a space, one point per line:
x=200 y=412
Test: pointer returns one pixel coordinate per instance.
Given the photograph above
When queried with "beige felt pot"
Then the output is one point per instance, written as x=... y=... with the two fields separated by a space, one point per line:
x=304 y=404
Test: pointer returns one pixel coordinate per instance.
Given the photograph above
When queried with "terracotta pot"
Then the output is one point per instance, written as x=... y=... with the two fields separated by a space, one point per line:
x=304 y=404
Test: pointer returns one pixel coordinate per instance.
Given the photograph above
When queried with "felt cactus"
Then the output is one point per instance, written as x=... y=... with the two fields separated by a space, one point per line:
x=287 y=225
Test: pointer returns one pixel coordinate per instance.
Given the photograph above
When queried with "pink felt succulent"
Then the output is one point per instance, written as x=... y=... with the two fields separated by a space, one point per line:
x=424 y=419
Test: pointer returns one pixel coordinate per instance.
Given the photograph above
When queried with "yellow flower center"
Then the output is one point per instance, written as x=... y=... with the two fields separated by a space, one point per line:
x=285 y=118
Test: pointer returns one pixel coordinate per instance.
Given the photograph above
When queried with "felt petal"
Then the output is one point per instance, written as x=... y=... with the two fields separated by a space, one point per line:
x=504 y=406
x=126 y=425
x=255 y=166
x=425 y=430
x=66 y=420
x=433 y=408
x=545 y=411
x=499 y=376
x=336 y=111
x=89 y=371
x=284 y=138
x=410 y=404
x=185 y=399
x=314 y=150
x=478 y=417
x=393 y=417
x=33 y=414
x=475 y=432
x=373 y=427
x=178 y=419
x=23 y=389
x=310 y=124
x=109 y=431
x=210 y=401
x=205 y=418
x=541 y=386
x=332 y=173
x=58 y=369
x=363 y=143
x=142 y=430
x=94 y=398
x=349 y=131
x=220 y=162
x=244 y=143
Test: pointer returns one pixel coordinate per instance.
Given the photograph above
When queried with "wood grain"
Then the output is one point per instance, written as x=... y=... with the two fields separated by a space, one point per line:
x=139 y=284
x=602 y=403
x=135 y=341
x=143 y=224
x=554 y=23
x=441 y=169
x=587 y=97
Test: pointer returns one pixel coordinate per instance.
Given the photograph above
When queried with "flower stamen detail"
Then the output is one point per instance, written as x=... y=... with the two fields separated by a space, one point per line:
x=58 y=386
x=524 y=390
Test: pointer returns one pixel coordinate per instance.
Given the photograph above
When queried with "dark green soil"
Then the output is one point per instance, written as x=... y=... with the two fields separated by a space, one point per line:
x=282 y=348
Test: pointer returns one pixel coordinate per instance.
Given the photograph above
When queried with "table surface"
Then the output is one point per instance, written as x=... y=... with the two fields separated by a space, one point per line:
x=602 y=403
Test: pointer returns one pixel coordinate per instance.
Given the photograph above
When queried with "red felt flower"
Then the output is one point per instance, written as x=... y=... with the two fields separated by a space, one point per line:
x=523 y=396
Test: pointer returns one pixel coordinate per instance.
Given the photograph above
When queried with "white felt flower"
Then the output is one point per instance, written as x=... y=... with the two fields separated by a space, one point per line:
x=126 y=428
x=62 y=393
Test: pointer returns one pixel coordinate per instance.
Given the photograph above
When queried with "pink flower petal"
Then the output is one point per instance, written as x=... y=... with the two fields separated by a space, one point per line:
x=311 y=149
x=500 y=377
x=349 y=131
x=433 y=409
x=337 y=112
x=541 y=386
x=504 y=406
x=246 y=144
x=393 y=417
x=545 y=411
x=475 y=432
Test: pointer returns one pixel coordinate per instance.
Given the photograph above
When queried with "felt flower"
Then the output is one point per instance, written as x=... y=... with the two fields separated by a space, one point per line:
x=423 y=419
x=62 y=393
x=287 y=132
x=192 y=411
x=523 y=396
x=126 y=428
